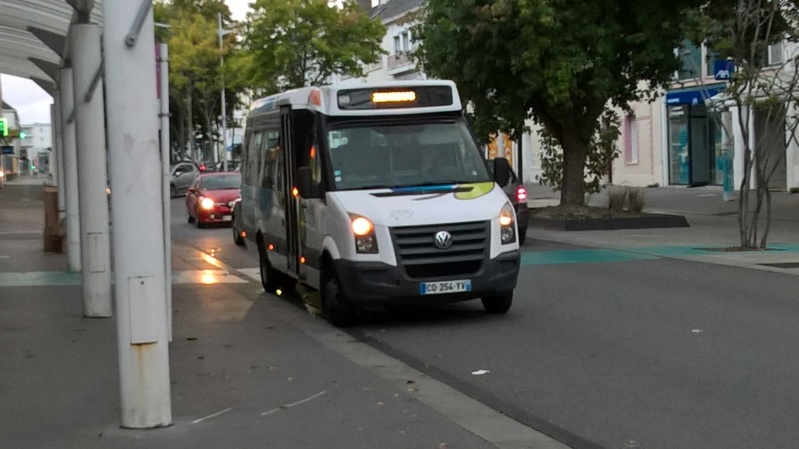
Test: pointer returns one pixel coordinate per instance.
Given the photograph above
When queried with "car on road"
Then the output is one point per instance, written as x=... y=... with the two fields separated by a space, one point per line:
x=211 y=197
x=182 y=175
x=238 y=233
x=2 y=179
x=517 y=194
x=232 y=165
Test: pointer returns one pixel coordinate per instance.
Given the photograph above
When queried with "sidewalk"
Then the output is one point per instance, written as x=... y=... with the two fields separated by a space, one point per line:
x=713 y=225
x=248 y=370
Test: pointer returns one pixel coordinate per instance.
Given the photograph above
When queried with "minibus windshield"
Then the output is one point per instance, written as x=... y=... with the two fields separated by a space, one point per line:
x=401 y=154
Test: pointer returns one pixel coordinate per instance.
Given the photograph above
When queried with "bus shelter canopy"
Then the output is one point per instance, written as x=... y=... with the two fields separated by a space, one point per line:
x=33 y=36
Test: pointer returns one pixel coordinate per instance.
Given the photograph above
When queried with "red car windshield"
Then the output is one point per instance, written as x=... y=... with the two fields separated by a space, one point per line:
x=221 y=182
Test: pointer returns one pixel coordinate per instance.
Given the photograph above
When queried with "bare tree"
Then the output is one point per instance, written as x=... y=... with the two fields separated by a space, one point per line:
x=759 y=105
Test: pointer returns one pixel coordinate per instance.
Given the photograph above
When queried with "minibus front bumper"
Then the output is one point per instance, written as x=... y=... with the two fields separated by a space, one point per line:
x=380 y=283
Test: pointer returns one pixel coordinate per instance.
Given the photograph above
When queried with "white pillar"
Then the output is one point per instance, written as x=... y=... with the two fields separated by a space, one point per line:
x=792 y=183
x=57 y=155
x=166 y=197
x=739 y=147
x=70 y=158
x=138 y=244
x=753 y=145
x=95 y=247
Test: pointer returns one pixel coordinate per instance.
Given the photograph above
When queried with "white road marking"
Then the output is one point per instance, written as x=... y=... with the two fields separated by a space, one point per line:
x=196 y=421
x=293 y=404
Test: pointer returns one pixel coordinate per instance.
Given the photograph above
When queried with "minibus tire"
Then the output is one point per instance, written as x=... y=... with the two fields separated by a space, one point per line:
x=498 y=303
x=335 y=307
x=269 y=276
x=237 y=238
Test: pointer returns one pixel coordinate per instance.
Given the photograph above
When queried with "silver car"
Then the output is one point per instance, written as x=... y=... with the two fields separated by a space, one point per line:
x=182 y=175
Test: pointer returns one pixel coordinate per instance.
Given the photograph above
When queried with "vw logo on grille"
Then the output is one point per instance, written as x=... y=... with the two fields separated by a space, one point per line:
x=443 y=239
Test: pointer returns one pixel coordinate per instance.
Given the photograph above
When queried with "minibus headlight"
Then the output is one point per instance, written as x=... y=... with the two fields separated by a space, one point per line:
x=207 y=203
x=364 y=231
x=507 y=228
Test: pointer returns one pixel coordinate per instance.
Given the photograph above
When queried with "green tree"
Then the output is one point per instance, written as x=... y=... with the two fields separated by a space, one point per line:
x=191 y=33
x=295 y=43
x=559 y=62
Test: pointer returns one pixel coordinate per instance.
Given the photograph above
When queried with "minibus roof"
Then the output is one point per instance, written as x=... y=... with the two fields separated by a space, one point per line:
x=367 y=98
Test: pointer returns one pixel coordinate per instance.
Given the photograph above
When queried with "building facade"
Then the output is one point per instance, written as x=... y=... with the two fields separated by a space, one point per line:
x=690 y=137
x=675 y=140
x=11 y=149
x=37 y=145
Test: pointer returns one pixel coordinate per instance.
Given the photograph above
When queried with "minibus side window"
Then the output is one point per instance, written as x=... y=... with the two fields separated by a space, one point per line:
x=250 y=170
x=270 y=153
x=275 y=157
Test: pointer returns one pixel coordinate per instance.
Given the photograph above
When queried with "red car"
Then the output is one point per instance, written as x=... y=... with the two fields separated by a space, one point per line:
x=210 y=198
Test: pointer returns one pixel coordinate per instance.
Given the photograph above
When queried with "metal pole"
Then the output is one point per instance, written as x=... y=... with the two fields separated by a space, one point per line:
x=70 y=158
x=224 y=108
x=166 y=200
x=139 y=254
x=92 y=175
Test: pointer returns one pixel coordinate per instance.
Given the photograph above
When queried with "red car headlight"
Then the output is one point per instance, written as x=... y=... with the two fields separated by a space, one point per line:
x=207 y=203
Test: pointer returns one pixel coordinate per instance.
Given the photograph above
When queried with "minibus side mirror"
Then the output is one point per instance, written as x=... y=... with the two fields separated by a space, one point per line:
x=501 y=171
x=306 y=187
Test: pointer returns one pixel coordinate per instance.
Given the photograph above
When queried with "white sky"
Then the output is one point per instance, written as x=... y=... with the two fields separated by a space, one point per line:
x=33 y=104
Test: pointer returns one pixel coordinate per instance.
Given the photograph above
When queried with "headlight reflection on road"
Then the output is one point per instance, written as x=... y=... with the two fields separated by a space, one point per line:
x=210 y=257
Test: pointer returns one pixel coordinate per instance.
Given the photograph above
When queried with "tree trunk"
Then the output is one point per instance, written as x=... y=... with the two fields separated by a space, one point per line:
x=190 y=121
x=572 y=189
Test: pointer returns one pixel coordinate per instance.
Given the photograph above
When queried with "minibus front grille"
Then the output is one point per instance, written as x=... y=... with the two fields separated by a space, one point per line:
x=420 y=257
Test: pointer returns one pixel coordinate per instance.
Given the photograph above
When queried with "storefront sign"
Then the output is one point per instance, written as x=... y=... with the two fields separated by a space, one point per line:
x=8 y=150
x=694 y=95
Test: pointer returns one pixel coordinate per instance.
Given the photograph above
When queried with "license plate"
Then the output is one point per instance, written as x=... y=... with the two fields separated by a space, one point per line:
x=227 y=218
x=437 y=288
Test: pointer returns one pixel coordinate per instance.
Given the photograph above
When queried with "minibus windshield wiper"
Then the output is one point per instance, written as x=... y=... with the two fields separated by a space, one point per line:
x=444 y=183
x=375 y=186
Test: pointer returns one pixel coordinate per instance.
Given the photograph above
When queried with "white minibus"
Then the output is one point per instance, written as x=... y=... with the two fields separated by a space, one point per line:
x=376 y=193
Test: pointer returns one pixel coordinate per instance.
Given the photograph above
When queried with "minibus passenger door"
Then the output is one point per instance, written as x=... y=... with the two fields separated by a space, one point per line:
x=290 y=176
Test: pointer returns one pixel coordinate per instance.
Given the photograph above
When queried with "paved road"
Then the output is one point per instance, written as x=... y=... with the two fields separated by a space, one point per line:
x=613 y=352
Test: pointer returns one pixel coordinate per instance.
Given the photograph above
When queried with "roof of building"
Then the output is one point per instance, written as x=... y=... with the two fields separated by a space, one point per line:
x=395 y=8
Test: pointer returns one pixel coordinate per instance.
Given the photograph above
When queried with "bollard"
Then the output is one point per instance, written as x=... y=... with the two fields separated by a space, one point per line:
x=53 y=235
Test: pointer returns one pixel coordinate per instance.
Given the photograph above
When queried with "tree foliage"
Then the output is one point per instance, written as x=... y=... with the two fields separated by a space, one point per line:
x=295 y=43
x=195 y=74
x=559 y=62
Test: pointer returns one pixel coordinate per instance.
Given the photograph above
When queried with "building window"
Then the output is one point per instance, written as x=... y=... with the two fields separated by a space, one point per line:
x=630 y=140
x=710 y=60
x=402 y=43
x=775 y=54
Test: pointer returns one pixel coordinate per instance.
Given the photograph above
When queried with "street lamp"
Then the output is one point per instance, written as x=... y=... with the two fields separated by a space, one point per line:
x=221 y=33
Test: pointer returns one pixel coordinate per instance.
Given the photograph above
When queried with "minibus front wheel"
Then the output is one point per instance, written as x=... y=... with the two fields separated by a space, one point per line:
x=334 y=303
x=269 y=276
x=498 y=302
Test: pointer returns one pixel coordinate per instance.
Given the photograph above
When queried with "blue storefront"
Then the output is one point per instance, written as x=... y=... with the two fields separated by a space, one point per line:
x=694 y=137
